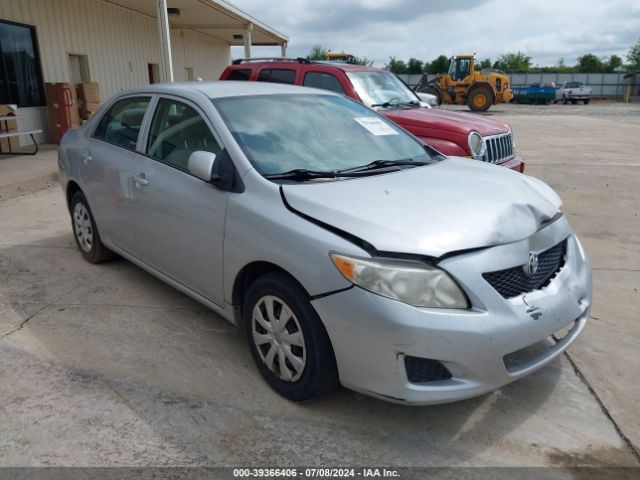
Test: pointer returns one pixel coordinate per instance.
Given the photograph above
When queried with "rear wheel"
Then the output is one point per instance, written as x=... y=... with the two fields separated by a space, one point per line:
x=574 y=102
x=287 y=339
x=480 y=99
x=586 y=101
x=85 y=231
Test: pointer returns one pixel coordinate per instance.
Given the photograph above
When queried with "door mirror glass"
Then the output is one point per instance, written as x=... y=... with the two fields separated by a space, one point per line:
x=201 y=164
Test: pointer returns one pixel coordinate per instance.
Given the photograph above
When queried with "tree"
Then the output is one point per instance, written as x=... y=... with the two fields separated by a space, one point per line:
x=485 y=64
x=439 y=65
x=512 y=62
x=633 y=57
x=396 y=66
x=614 y=64
x=590 y=63
x=366 y=61
x=317 y=52
x=414 y=66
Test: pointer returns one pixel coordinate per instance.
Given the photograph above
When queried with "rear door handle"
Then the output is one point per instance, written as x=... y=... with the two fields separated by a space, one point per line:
x=140 y=180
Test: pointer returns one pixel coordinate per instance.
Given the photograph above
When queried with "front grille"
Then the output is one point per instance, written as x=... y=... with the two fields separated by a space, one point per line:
x=514 y=281
x=499 y=148
x=421 y=370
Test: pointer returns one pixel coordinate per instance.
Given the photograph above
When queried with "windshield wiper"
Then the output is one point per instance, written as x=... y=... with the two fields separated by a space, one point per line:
x=412 y=103
x=379 y=164
x=300 y=174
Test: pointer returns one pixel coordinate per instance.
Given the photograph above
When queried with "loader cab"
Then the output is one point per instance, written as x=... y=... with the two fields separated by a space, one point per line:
x=460 y=68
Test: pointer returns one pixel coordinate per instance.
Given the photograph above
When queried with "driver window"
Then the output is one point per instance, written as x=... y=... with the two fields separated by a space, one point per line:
x=463 y=69
x=177 y=131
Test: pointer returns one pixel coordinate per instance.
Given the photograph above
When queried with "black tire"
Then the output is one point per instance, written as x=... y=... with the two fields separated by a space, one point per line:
x=586 y=101
x=574 y=102
x=433 y=90
x=95 y=252
x=564 y=100
x=473 y=99
x=319 y=374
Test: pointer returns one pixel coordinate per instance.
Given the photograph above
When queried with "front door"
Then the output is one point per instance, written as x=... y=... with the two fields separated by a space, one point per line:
x=179 y=217
x=110 y=163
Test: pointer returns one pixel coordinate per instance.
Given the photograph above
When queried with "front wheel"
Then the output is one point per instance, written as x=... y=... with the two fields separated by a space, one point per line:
x=85 y=231
x=432 y=90
x=288 y=342
x=480 y=99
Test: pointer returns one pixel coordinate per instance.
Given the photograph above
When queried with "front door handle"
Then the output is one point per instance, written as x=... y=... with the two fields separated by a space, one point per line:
x=140 y=180
x=86 y=158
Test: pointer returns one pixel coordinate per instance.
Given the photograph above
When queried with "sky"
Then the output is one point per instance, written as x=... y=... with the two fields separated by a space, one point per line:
x=546 y=30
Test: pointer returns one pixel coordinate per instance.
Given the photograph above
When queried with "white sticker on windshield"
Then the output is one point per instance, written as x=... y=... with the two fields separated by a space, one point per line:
x=375 y=126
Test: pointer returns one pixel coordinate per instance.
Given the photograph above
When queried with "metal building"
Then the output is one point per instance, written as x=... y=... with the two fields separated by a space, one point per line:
x=117 y=43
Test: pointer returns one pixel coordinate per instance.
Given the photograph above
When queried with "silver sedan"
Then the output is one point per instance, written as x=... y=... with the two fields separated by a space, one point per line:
x=345 y=249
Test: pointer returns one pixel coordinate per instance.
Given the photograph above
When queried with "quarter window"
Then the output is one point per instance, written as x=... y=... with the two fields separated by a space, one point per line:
x=20 y=74
x=121 y=124
x=326 y=81
x=277 y=76
x=239 y=74
x=177 y=131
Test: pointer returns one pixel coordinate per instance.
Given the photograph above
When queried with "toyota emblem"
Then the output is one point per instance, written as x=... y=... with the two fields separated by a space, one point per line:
x=532 y=266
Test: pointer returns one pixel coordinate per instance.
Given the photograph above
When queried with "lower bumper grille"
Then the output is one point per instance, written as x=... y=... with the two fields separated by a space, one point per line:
x=499 y=148
x=421 y=370
x=514 y=281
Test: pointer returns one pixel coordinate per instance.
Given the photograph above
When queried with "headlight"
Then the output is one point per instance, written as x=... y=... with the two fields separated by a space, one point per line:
x=476 y=144
x=411 y=282
x=513 y=140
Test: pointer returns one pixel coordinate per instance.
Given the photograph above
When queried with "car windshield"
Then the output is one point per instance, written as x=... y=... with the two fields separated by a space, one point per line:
x=381 y=88
x=323 y=133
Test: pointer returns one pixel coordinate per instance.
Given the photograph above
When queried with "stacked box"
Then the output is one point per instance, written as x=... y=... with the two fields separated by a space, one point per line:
x=9 y=126
x=88 y=98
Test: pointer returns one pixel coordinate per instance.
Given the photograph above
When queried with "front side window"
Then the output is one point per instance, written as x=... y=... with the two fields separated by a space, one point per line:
x=381 y=88
x=276 y=75
x=121 y=124
x=462 y=68
x=279 y=133
x=239 y=74
x=322 y=80
x=20 y=74
x=177 y=130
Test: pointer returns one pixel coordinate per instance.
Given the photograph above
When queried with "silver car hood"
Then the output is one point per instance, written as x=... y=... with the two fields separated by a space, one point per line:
x=456 y=204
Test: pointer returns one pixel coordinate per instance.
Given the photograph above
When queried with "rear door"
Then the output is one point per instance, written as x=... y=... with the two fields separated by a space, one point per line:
x=109 y=165
x=179 y=217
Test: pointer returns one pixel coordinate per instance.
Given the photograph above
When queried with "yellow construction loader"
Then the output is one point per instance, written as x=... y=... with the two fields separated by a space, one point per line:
x=463 y=84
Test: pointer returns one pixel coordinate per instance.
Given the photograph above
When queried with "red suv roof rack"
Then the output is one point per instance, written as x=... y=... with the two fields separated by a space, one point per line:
x=270 y=59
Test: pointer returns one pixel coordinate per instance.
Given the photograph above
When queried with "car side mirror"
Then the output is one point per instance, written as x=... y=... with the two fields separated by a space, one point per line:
x=201 y=164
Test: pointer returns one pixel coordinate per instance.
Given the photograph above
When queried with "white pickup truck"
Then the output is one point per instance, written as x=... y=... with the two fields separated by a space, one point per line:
x=573 y=92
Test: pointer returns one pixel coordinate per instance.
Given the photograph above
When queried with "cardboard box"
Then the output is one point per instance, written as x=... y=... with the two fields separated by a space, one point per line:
x=87 y=109
x=89 y=92
x=7 y=126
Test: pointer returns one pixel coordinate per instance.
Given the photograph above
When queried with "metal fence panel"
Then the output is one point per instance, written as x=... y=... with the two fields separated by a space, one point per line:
x=601 y=84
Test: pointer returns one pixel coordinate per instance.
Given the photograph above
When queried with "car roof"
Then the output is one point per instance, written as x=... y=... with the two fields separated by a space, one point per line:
x=347 y=67
x=220 y=89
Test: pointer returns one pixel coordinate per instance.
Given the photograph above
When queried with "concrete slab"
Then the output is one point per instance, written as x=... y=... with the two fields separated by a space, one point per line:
x=22 y=174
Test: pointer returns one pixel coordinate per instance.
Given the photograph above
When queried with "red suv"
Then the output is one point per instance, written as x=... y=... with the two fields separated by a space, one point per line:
x=452 y=133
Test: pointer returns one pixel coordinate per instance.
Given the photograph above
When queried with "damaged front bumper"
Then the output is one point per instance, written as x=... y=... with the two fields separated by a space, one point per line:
x=483 y=348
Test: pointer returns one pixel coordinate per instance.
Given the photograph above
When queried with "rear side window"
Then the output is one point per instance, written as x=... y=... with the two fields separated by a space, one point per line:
x=239 y=74
x=275 y=75
x=326 y=81
x=121 y=124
